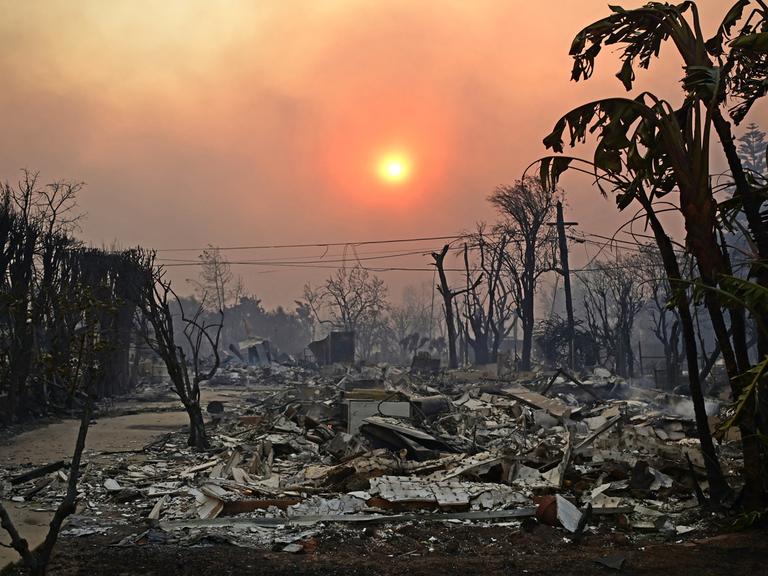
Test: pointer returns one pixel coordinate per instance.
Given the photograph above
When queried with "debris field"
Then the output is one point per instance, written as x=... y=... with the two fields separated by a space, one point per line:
x=302 y=455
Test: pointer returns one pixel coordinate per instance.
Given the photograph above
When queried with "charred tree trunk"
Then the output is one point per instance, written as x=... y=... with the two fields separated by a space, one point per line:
x=448 y=295
x=527 y=320
x=153 y=293
x=699 y=210
x=754 y=473
x=672 y=355
x=479 y=343
x=448 y=298
x=718 y=486
x=198 y=437
x=621 y=356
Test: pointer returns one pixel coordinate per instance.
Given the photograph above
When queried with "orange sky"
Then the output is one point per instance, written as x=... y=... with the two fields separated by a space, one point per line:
x=243 y=123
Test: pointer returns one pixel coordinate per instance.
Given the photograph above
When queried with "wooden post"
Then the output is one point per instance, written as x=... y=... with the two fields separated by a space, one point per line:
x=564 y=269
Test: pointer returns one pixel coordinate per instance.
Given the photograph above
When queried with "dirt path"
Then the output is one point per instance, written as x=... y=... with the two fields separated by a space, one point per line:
x=55 y=441
x=51 y=442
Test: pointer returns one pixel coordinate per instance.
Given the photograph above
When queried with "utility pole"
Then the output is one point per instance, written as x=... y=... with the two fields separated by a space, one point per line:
x=565 y=271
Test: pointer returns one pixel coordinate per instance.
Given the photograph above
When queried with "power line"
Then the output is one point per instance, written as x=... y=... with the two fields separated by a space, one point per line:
x=321 y=261
x=327 y=261
x=312 y=244
x=267 y=261
x=613 y=240
x=324 y=254
x=634 y=249
x=317 y=266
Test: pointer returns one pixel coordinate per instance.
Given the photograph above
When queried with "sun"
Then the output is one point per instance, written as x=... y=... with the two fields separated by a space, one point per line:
x=394 y=168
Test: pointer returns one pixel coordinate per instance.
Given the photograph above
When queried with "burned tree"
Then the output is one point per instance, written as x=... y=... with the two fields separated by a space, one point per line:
x=42 y=274
x=412 y=321
x=217 y=288
x=353 y=300
x=489 y=303
x=665 y=318
x=526 y=207
x=448 y=297
x=614 y=294
x=19 y=237
x=80 y=370
x=186 y=369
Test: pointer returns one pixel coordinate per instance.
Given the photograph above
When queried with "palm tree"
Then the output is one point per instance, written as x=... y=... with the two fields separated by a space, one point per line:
x=647 y=149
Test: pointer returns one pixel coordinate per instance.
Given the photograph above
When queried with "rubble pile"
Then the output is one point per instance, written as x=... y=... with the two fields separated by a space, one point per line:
x=297 y=450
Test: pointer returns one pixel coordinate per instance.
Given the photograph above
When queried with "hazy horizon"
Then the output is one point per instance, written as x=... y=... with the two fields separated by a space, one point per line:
x=248 y=124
